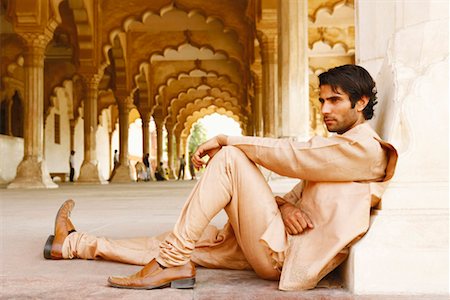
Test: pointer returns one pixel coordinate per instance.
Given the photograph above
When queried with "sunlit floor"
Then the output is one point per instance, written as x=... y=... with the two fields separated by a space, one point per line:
x=118 y=211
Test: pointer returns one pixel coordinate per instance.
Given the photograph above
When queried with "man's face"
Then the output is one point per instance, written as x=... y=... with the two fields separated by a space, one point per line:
x=338 y=114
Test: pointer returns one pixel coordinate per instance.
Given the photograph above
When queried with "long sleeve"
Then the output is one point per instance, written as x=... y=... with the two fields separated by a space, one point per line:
x=354 y=156
x=295 y=194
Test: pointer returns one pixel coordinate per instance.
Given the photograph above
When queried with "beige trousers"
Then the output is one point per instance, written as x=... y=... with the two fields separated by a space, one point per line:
x=254 y=236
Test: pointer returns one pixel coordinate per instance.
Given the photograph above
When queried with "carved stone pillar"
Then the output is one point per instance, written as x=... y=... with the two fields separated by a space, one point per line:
x=268 y=88
x=407 y=246
x=293 y=87
x=32 y=171
x=159 y=140
x=258 y=110
x=145 y=135
x=122 y=173
x=72 y=134
x=170 y=158
x=89 y=168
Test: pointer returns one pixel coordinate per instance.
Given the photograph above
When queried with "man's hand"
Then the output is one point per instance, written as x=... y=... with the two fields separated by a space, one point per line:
x=210 y=148
x=295 y=220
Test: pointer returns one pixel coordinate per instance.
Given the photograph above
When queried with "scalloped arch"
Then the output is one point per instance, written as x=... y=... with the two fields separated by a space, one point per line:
x=192 y=94
x=329 y=8
x=200 y=104
x=124 y=27
x=192 y=119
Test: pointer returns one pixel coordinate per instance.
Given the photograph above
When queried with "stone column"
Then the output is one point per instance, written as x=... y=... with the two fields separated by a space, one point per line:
x=293 y=87
x=32 y=171
x=159 y=140
x=406 y=249
x=268 y=89
x=111 y=160
x=72 y=123
x=258 y=111
x=89 y=168
x=122 y=173
x=145 y=135
x=170 y=158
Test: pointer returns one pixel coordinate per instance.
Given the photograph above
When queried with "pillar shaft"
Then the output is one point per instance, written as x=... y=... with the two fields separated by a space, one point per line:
x=145 y=136
x=406 y=248
x=122 y=173
x=124 y=111
x=159 y=141
x=170 y=156
x=90 y=118
x=268 y=71
x=32 y=171
x=293 y=91
x=258 y=111
x=89 y=169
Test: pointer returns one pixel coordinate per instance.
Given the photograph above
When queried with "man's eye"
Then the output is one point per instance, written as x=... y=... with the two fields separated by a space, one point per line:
x=321 y=101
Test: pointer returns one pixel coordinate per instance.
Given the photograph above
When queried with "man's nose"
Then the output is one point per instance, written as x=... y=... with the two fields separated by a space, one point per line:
x=326 y=108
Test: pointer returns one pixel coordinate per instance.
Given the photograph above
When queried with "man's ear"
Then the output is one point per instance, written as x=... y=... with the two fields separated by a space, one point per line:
x=362 y=103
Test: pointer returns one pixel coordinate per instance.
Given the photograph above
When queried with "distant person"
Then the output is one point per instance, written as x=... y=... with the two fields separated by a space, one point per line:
x=147 y=166
x=72 y=165
x=182 y=166
x=141 y=171
x=116 y=158
x=160 y=173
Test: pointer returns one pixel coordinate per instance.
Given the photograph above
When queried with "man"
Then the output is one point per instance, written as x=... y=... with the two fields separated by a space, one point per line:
x=116 y=158
x=72 y=165
x=160 y=173
x=182 y=166
x=296 y=239
x=147 y=166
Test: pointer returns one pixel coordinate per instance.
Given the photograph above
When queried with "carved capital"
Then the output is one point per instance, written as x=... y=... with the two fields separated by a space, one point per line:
x=92 y=81
x=36 y=44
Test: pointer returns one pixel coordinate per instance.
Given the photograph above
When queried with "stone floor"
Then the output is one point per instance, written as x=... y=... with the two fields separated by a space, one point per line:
x=119 y=211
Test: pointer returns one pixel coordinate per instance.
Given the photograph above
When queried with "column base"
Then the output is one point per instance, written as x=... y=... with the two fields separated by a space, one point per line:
x=32 y=174
x=172 y=174
x=121 y=174
x=89 y=174
x=406 y=249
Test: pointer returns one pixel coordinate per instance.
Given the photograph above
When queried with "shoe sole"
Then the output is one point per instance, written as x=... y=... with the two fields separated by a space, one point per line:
x=48 y=247
x=187 y=283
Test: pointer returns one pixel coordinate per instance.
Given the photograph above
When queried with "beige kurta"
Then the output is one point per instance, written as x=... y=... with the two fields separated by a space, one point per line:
x=342 y=177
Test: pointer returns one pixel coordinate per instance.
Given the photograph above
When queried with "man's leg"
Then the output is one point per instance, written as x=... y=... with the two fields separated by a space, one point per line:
x=233 y=182
x=135 y=251
x=215 y=249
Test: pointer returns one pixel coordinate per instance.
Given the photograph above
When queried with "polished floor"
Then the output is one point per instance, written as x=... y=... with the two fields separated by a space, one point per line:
x=119 y=211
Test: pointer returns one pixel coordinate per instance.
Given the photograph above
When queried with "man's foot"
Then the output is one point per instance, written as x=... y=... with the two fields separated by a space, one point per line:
x=63 y=227
x=153 y=276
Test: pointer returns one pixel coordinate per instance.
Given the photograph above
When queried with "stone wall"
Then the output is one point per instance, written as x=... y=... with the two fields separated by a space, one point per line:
x=404 y=44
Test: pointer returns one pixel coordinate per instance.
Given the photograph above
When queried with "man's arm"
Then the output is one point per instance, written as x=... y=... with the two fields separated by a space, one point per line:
x=338 y=158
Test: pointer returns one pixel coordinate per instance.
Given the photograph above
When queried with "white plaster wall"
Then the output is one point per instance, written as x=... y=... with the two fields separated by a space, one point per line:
x=57 y=155
x=11 y=154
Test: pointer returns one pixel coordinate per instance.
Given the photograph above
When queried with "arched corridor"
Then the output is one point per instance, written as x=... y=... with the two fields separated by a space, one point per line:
x=114 y=80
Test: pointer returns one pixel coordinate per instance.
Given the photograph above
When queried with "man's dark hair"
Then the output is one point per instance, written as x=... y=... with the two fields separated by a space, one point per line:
x=354 y=81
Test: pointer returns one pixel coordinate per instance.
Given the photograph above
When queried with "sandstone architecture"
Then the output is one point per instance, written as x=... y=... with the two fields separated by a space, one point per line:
x=80 y=74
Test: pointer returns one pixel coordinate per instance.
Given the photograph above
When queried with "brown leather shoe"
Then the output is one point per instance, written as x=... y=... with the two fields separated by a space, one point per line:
x=152 y=276
x=63 y=226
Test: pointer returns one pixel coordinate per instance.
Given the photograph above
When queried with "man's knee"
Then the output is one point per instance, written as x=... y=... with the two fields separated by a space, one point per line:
x=233 y=152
